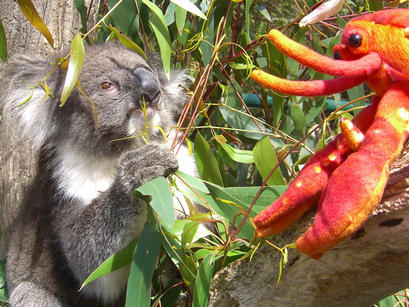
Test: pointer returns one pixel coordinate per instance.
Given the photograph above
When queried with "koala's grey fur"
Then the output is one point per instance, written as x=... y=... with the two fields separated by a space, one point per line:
x=80 y=210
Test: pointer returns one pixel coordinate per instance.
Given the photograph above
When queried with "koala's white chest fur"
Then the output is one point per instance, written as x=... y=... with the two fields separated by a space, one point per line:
x=82 y=177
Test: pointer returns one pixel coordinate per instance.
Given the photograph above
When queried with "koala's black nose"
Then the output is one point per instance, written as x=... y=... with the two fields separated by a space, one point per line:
x=147 y=86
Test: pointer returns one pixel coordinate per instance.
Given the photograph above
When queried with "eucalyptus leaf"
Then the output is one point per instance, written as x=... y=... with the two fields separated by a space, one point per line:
x=127 y=42
x=206 y=162
x=203 y=280
x=3 y=43
x=159 y=27
x=239 y=155
x=180 y=16
x=231 y=202
x=190 y=7
x=30 y=12
x=297 y=114
x=77 y=56
x=266 y=160
x=146 y=255
x=162 y=200
x=116 y=261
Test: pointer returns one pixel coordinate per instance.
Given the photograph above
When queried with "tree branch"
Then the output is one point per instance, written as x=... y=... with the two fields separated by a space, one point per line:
x=360 y=271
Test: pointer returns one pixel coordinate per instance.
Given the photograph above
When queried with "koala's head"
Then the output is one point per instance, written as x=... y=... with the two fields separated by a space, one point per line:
x=132 y=97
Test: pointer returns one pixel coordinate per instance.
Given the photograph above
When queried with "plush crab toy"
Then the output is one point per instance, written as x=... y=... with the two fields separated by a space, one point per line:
x=349 y=175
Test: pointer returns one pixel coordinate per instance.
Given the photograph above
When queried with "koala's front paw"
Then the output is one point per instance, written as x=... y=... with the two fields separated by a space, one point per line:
x=137 y=167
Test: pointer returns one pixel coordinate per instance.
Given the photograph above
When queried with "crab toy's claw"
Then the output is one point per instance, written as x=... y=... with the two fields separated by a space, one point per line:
x=348 y=176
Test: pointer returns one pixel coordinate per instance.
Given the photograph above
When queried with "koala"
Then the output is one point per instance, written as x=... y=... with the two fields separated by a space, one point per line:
x=79 y=209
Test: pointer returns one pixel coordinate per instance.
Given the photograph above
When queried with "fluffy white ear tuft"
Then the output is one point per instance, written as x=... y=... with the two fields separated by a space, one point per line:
x=34 y=118
x=25 y=105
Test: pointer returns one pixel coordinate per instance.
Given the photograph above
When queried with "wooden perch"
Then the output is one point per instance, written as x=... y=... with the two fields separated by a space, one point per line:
x=360 y=271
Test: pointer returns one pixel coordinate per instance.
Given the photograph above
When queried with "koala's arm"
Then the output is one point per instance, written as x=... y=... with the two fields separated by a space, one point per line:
x=91 y=233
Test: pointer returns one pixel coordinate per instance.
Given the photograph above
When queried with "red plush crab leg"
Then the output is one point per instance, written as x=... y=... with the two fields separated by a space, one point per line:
x=353 y=192
x=364 y=66
x=310 y=182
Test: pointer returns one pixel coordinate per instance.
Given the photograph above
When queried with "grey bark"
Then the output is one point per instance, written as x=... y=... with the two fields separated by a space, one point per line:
x=360 y=271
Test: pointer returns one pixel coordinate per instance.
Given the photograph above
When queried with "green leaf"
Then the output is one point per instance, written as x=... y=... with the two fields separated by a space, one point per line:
x=189 y=232
x=190 y=7
x=180 y=15
x=77 y=56
x=2 y=273
x=243 y=122
x=266 y=160
x=375 y=5
x=297 y=114
x=162 y=201
x=206 y=161
x=229 y=202
x=241 y=66
x=194 y=182
x=247 y=17
x=170 y=14
x=172 y=247
x=202 y=283
x=264 y=12
x=158 y=24
x=125 y=16
x=355 y=93
x=3 y=43
x=116 y=261
x=188 y=270
x=82 y=10
x=127 y=42
x=146 y=255
x=392 y=300
x=238 y=155
x=30 y=12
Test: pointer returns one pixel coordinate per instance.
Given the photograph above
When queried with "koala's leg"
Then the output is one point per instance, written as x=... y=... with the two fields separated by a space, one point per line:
x=28 y=294
x=91 y=233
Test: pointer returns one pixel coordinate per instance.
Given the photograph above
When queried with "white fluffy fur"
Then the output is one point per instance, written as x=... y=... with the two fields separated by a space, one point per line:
x=33 y=115
x=80 y=176
x=110 y=286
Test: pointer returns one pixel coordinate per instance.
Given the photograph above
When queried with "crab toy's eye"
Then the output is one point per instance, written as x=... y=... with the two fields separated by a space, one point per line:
x=337 y=55
x=355 y=40
x=107 y=85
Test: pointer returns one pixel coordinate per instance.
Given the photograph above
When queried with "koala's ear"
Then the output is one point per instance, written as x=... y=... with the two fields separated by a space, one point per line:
x=24 y=100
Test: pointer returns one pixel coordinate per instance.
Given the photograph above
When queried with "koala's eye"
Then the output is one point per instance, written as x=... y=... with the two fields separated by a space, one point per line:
x=355 y=40
x=106 y=85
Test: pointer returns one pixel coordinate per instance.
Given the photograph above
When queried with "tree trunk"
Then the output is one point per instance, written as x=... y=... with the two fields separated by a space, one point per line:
x=360 y=271
x=18 y=159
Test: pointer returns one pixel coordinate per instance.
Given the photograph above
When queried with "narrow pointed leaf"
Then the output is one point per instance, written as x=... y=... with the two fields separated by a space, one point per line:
x=239 y=155
x=266 y=160
x=180 y=16
x=146 y=255
x=77 y=56
x=190 y=7
x=206 y=161
x=158 y=24
x=202 y=283
x=30 y=12
x=127 y=42
x=3 y=43
x=116 y=261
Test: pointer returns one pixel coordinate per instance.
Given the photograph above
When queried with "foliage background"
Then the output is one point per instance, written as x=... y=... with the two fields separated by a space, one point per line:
x=248 y=141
